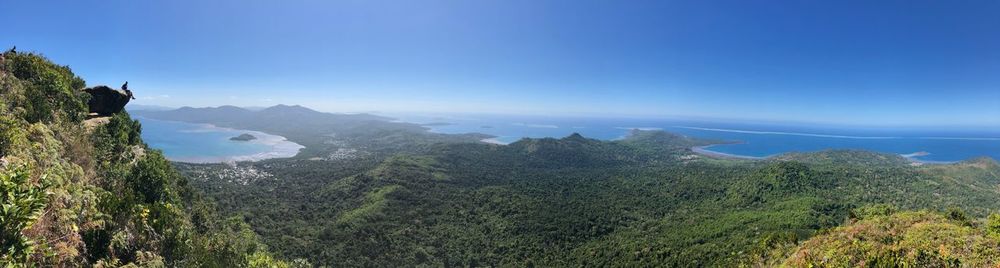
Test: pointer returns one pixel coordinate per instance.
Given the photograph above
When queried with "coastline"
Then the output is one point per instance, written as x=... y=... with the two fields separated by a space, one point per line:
x=279 y=146
x=919 y=162
x=707 y=150
x=912 y=157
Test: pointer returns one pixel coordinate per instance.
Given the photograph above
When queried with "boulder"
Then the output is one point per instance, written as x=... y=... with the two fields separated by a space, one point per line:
x=105 y=101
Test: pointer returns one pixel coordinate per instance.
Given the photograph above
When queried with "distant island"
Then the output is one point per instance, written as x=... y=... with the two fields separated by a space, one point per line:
x=436 y=124
x=243 y=137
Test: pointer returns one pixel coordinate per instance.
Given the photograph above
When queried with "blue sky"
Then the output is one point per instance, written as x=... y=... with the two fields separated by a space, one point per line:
x=847 y=62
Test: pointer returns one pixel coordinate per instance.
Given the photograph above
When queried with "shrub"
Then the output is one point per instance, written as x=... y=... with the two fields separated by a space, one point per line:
x=21 y=203
x=53 y=91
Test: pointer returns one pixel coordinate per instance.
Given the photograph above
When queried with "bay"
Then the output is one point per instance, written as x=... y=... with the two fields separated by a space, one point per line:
x=747 y=139
x=205 y=143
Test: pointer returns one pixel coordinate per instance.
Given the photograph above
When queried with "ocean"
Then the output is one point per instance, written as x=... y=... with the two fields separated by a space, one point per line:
x=748 y=139
x=204 y=143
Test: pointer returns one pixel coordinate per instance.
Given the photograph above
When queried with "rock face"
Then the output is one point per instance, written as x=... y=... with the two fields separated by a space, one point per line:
x=106 y=101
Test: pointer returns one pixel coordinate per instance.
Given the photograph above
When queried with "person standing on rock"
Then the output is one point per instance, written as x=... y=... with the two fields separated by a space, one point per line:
x=127 y=92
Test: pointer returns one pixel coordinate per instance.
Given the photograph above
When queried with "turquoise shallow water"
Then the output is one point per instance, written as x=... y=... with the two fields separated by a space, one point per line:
x=204 y=143
x=751 y=139
x=187 y=142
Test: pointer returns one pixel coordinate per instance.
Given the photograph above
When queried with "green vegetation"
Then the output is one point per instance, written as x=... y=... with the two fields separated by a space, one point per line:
x=321 y=133
x=22 y=204
x=647 y=200
x=243 y=137
x=899 y=239
x=367 y=192
x=91 y=193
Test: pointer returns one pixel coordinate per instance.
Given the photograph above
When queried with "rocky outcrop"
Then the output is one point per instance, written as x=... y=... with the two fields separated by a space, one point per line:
x=243 y=137
x=105 y=101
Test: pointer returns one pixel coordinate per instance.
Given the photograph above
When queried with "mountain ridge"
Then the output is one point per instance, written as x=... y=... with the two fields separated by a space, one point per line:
x=278 y=108
x=377 y=194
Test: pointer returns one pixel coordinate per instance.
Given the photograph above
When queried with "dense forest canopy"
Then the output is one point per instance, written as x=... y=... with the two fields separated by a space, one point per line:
x=369 y=192
x=410 y=197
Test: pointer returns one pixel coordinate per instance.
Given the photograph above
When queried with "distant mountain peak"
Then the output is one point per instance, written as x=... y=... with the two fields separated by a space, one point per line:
x=288 y=106
x=575 y=136
x=282 y=107
x=230 y=108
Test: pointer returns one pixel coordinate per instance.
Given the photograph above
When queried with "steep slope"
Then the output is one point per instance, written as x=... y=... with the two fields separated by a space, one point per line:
x=91 y=193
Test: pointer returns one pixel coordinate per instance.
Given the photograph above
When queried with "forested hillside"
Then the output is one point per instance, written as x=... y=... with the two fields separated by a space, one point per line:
x=647 y=200
x=79 y=192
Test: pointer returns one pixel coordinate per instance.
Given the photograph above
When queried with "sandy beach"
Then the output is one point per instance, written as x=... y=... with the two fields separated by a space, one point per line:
x=703 y=150
x=917 y=162
x=493 y=141
x=280 y=148
x=276 y=146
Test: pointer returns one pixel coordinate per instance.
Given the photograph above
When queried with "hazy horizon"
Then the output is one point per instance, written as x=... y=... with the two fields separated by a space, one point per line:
x=460 y=116
x=915 y=63
x=500 y=133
